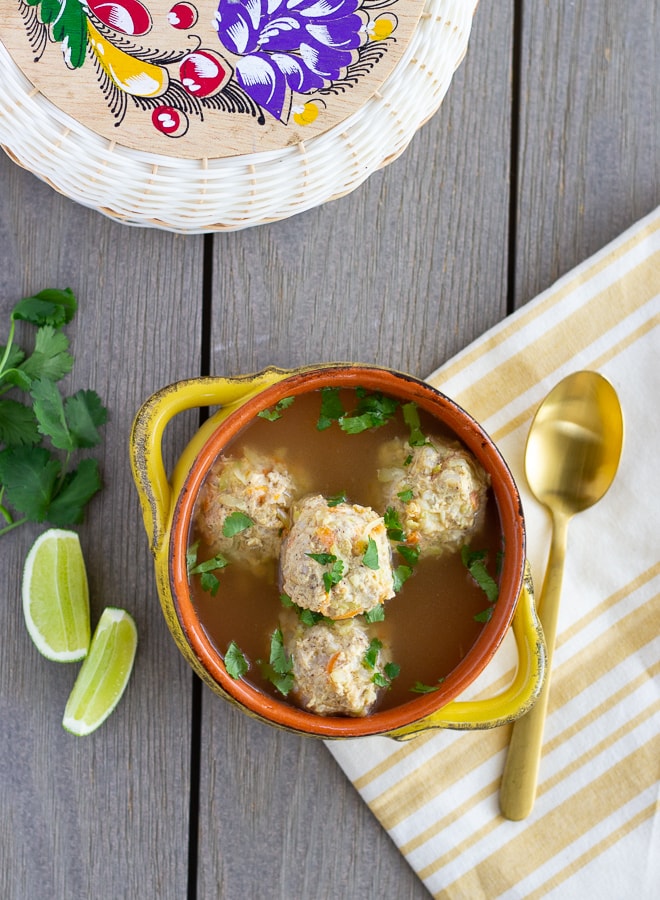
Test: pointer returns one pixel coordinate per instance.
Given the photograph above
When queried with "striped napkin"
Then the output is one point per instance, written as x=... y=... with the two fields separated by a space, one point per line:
x=595 y=825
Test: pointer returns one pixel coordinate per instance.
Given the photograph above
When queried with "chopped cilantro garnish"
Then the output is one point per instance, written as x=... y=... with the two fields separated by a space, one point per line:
x=38 y=483
x=235 y=523
x=306 y=616
x=393 y=525
x=310 y=617
x=405 y=496
x=371 y=655
x=411 y=418
x=421 y=688
x=206 y=570
x=401 y=574
x=370 y=558
x=384 y=679
x=235 y=662
x=474 y=561
x=275 y=412
x=323 y=559
x=376 y=614
x=373 y=410
x=335 y=574
x=409 y=553
x=337 y=499
x=331 y=408
x=279 y=671
x=485 y=615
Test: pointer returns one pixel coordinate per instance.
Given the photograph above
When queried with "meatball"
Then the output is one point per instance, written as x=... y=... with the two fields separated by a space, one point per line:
x=336 y=560
x=256 y=486
x=334 y=665
x=438 y=491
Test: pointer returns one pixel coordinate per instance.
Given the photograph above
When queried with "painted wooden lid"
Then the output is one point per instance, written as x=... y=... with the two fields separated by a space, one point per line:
x=208 y=78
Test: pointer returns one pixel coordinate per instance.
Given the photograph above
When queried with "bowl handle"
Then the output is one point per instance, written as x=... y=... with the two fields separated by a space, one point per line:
x=517 y=699
x=154 y=489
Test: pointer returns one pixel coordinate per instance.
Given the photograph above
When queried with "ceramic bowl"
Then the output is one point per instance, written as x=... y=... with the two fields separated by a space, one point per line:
x=168 y=506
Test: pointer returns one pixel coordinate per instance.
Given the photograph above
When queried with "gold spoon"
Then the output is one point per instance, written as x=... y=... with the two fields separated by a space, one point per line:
x=572 y=454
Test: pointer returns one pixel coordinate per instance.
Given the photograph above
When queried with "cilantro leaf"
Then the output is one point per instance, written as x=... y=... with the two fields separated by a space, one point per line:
x=206 y=570
x=401 y=574
x=275 y=412
x=337 y=499
x=420 y=688
x=49 y=409
x=18 y=425
x=405 y=496
x=376 y=614
x=393 y=525
x=474 y=561
x=324 y=559
x=84 y=414
x=370 y=558
x=335 y=574
x=48 y=307
x=78 y=488
x=409 y=553
x=373 y=410
x=29 y=476
x=371 y=655
x=235 y=662
x=279 y=660
x=50 y=357
x=485 y=615
x=235 y=523
x=331 y=408
x=384 y=679
x=411 y=418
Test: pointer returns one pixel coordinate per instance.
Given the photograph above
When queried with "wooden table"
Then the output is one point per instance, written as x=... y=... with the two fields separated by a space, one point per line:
x=545 y=148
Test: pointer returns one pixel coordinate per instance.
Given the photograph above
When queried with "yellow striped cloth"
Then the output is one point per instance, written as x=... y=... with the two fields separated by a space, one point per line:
x=595 y=825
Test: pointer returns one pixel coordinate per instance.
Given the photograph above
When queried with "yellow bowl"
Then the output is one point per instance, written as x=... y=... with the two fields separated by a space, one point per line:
x=168 y=504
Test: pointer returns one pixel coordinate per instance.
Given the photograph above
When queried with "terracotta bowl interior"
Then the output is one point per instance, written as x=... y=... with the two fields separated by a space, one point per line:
x=506 y=496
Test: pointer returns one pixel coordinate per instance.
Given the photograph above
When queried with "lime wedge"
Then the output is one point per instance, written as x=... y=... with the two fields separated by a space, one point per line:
x=104 y=674
x=56 y=596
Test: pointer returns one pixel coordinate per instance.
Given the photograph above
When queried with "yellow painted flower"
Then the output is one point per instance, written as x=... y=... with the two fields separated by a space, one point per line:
x=305 y=115
x=381 y=28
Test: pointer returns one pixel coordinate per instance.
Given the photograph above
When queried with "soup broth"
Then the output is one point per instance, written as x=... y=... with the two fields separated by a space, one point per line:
x=437 y=613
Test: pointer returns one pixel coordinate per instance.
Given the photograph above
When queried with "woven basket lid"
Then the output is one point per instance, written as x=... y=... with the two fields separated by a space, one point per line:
x=219 y=114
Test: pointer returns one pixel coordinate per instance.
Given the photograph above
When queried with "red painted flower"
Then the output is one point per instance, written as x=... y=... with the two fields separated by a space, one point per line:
x=203 y=73
x=169 y=121
x=126 y=16
x=182 y=16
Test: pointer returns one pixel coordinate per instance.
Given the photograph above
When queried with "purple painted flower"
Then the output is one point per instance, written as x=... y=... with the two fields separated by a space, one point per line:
x=288 y=45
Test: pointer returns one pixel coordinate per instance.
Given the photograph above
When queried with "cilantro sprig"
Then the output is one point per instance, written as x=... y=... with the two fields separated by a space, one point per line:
x=334 y=574
x=41 y=432
x=236 y=662
x=475 y=562
x=273 y=413
x=372 y=410
x=279 y=669
x=208 y=580
x=370 y=660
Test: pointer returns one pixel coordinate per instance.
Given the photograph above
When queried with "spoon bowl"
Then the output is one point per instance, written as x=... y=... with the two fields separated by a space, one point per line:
x=571 y=457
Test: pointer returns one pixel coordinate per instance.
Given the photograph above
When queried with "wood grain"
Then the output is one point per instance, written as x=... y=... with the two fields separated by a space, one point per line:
x=381 y=276
x=589 y=159
x=405 y=272
x=106 y=815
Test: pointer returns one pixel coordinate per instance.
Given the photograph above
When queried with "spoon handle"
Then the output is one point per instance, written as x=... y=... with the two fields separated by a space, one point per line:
x=518 y=789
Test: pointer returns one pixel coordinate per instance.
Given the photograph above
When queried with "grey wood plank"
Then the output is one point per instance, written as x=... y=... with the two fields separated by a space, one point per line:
x=404 y=272
x=589 y=162
x=104 y=816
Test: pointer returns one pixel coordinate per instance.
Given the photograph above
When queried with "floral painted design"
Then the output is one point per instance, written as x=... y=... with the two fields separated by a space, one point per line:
x=288 y=46
x=277 y=60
